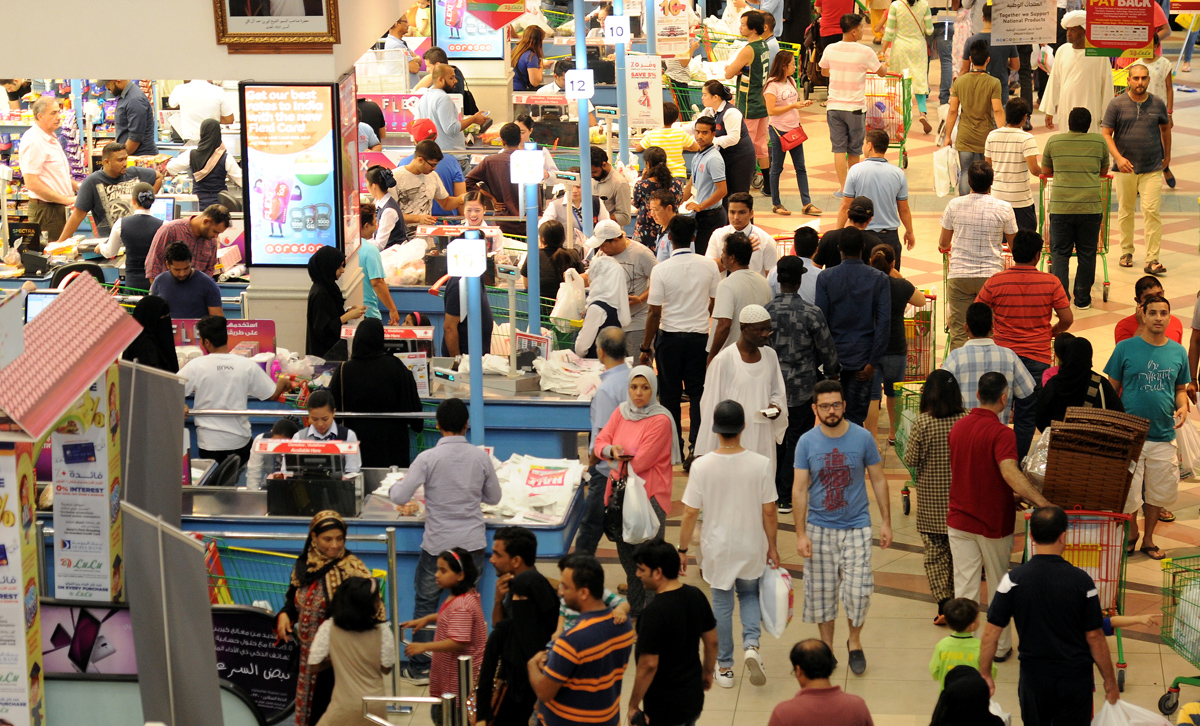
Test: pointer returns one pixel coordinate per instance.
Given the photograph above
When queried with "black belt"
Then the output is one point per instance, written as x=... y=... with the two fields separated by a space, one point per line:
x=665 y=334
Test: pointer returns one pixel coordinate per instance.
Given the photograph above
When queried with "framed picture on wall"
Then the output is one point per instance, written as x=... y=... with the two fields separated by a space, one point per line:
x=277 y=26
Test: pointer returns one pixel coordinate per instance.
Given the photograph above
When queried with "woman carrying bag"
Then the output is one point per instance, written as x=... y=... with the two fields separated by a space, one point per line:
x=787 y=138
x=640 y=436
x=607 y=303
x=504 y=696
x=1075 y=384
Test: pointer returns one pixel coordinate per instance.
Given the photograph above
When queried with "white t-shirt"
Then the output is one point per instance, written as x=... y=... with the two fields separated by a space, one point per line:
x=731 y=489
x=415 y=193
x=762 y=260
x=198 y=100
x=682 y=285
x=224 y=381
x=848 y=65
x=1007 y=148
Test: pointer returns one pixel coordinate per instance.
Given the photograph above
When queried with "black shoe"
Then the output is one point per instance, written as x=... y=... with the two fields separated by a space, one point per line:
x=687 y=463
x=858 y=661
x=1002 y=658
x=1027 y=126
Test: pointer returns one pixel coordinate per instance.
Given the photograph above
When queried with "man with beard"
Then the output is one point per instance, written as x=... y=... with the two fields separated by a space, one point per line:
x=524 y=618
x=833 y=520
x=106 y=193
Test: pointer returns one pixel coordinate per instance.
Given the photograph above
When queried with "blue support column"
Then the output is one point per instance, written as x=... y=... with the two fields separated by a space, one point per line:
x=532 y=260
x=649 y=15
x=622 y=102
x=475 y=341
x=585 y=145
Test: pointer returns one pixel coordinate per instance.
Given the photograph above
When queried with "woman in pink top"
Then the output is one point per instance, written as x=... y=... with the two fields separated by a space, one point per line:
x=641 y=434
x=783 y=104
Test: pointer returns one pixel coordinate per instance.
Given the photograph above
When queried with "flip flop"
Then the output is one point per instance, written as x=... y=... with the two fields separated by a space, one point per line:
x=1166 y=516
x=1131 y=546
x=1126 y=261
x=1154 y=553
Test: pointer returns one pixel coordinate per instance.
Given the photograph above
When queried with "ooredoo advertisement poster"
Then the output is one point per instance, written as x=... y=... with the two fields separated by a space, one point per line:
x=291 y=137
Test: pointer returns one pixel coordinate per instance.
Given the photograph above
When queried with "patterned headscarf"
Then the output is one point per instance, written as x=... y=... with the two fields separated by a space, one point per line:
x=311 y=565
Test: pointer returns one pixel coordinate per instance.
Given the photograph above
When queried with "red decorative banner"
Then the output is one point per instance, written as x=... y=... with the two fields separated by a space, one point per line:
x=495 y=15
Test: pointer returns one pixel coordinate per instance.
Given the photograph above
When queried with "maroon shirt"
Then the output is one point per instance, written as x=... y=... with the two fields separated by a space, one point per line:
x=824 y=706
x=981 y=502
x=204 y=251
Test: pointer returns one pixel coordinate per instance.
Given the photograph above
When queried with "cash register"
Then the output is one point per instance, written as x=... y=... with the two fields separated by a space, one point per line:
x=312 y=478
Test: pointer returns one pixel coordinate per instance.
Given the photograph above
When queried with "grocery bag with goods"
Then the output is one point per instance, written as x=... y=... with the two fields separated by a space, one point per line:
x=777 y=600
x=638 y=520
x=571 y=301
x=404 y=264
x=1035 y=463
x=1124 y=713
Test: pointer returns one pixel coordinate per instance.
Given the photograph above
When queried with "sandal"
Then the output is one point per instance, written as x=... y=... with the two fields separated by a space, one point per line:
x=891 y=441
x=1131 y=546
x=780 y=209
x=1155 y=268
x=928 y=127
x=1166 y=515
x=1185 y=68
x=1154 y=553
x=812 y=210
x=1126 y=261
x=940 y=620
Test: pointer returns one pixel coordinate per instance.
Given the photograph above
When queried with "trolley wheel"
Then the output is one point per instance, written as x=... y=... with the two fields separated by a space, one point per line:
x=1121 y=681
x=906 y=501
x=904 y=160
x=1104 y=294
x=1168 y=703
x=756 y=181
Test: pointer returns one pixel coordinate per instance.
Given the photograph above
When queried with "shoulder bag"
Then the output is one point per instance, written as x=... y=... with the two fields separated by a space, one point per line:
x=614 y=511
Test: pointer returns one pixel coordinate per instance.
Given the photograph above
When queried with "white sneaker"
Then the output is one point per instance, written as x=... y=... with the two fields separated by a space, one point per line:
x=753 y=662
x=724 y=679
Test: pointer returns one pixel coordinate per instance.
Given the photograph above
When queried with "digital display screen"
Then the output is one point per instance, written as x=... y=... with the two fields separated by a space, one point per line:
x=36 y=302
x=291 y=139
x=462 y=35
x=163 y=208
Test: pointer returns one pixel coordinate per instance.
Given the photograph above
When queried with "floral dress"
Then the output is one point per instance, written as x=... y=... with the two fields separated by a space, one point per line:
x=907 y=27
x=645 y=227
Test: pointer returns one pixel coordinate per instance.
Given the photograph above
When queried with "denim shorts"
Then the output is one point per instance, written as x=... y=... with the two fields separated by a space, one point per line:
x=888 y=372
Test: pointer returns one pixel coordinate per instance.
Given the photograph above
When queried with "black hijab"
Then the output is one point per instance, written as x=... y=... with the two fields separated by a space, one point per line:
x=1075 y=370
x=534 y=620
x=368 y=340
x=322 y=270
x=964 y=700
x=155 y=345
x=210 y=141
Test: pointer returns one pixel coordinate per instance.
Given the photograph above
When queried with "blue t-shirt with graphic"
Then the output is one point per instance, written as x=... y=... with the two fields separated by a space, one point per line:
x=837 y=488
x=372 y=268
x=1148 y=375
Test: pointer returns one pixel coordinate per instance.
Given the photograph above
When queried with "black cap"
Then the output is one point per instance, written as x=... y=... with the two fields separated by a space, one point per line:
x=862 y=206
x=728 y=418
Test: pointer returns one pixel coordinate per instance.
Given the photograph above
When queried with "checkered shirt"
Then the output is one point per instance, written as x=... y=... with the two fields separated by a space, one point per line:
x=928 y=453
x=979 y=223
x=982 y=355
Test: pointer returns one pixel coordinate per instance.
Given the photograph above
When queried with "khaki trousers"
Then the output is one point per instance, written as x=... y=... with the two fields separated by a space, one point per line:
x=972 y=555
x=1149 y=188
x=960 y=293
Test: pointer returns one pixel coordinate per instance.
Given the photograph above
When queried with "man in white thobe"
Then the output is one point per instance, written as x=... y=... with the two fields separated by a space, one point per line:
x=1077 y=81
x=749 y=373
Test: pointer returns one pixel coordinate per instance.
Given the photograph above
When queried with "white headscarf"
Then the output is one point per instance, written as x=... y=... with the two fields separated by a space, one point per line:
x=610 y=285
x=632 y=413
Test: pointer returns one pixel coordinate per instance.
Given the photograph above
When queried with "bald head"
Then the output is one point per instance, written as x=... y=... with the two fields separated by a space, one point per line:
x=610 y=346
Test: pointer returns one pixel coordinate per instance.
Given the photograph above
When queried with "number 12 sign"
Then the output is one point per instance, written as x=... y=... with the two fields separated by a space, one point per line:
x=581 y=83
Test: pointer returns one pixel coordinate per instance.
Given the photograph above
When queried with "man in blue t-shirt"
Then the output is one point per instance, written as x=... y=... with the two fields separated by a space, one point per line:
x=190 y=294
x=1152 y=372
x=376 y=289
x=833 y=518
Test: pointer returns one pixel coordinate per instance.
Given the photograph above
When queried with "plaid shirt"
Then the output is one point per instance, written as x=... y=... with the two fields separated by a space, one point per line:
x=979 y=223
x=927 y=452
x=204 y=251
x=982 y=355
x=801 y=338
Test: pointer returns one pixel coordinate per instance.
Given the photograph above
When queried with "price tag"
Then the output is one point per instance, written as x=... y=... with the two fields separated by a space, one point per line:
x=616 y=29
x=527 y=167
x=466 y=257
x=581 y=84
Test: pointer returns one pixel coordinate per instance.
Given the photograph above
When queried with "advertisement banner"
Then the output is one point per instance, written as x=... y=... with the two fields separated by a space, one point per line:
x=464 y=35
x=1120 y=28
x=20 y=618
x=348 y=123
x=1023 y=22
x=85 y=457
x=673 y=36
x=94 y=639
x=258 y=334
x=643 y=91
x=290 y=138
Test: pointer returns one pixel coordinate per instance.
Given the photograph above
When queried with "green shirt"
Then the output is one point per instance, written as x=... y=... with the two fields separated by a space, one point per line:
x=1077 y=161
x=974 y=91
x=955 y=650
x=750 y=82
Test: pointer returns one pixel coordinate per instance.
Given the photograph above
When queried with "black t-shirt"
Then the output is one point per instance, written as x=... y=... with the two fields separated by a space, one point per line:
x=1054 y=604
x=21 y=91
x=670 y=627
x=827 y=249
x=453 y=307
x=902 y=291
x=109 y=199
x=371 y=114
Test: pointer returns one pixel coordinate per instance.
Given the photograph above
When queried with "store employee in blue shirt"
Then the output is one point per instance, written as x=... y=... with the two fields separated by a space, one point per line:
x=134 y=118
x=707 y=185
x=887 y=187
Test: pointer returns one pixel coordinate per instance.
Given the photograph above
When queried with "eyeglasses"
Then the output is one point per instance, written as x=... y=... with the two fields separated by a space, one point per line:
x=827 y=407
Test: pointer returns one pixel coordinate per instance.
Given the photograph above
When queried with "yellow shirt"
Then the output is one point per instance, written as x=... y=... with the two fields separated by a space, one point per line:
x=672 y=142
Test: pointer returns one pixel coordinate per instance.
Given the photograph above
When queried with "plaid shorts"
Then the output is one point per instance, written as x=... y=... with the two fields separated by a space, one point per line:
x=841 y=564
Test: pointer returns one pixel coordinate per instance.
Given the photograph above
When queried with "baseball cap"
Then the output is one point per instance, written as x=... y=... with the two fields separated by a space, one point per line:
x=728 y=418
x=422 y=129
x=862 y=206
x=606 y=230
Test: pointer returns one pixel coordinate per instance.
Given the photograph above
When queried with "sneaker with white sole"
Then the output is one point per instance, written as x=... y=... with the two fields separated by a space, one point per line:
x=724 y=679
x=414 y=677
x=753 y=661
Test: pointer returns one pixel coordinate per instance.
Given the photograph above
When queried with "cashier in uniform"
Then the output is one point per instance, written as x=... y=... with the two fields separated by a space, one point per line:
x=322 y=427
x=560 y=82
x=570 y=215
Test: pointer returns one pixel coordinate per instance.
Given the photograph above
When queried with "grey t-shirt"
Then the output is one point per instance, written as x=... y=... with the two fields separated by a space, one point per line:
x=637 y=260
x=1136 y=131
x=741 y=288
x=415 y=193
x=109 y=199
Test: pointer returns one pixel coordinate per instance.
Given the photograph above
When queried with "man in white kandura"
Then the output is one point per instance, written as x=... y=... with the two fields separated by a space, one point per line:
x=1077 y=81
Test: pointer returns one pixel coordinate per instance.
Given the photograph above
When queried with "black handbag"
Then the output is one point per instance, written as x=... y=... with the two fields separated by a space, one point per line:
x=614 y=511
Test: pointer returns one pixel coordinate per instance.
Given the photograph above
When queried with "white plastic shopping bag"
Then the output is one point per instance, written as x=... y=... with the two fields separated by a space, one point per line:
x=571 y=301
x=1188 y=439
x=776 y=599
x=638 y=520
x=1124 y=713
x=1035 y=462
x=945 y=171
x=995 y=710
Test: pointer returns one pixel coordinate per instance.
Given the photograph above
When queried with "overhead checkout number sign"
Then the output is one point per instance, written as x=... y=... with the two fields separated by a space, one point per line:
x=1120 y=28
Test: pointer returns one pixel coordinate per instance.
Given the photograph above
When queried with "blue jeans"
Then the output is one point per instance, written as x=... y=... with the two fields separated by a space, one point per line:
x=1189 y=43
x=945 y=51
x=777 y=158
x=1078 y=233
x=965 y=159
x=857 y=395
x=750 y=615
x=1025 y=409
x=426 y=597
x=591 y=527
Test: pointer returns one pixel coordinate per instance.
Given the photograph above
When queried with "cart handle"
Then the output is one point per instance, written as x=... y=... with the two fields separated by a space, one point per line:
x=1047 y=177
x=1080 y=512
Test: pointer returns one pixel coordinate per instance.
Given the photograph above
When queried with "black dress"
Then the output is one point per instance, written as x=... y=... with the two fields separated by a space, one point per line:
x=326 y=306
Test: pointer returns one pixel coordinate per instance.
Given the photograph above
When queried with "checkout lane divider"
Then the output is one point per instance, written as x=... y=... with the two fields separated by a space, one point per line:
x=301 y=413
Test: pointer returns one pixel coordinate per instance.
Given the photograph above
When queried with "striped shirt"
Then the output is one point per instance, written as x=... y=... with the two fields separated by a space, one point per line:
x=848 y=65
x=1022 y=299
x=589 y=661
x=204 y=251
x=982 y=355
x=979 y=223
x=1008 y=149
x=671 y=141
x=1077 y=161
x=460 y=620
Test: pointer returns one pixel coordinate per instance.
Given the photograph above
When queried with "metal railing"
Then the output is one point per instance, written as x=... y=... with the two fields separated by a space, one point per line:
x=456 y=707
x=297 y=411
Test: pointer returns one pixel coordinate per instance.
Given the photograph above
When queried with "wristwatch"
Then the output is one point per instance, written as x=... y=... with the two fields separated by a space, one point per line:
x=646 y=350
x=682 y=550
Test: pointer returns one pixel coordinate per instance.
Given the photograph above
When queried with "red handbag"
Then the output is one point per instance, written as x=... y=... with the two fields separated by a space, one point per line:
x=793 y=138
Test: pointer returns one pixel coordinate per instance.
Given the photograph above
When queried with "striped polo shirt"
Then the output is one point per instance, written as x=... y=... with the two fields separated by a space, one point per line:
x=1009 y=148
x=671 y=140
x=1077 y=161
x=848 y=65
x=589 y=661
x=1022 y=299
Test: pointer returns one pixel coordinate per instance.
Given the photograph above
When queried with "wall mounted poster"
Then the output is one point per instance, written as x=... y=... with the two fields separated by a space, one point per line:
x=85 y=458
x=1120 y=28
x=464 y=36
x=1023 y=22
x=348 y=123
x=20 y=617
x=291 y=137
x=643 y=91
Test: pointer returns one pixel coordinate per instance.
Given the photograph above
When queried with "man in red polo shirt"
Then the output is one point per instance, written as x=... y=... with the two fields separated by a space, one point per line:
x=1132 y=325
x=1022 y=299
x=983 y=476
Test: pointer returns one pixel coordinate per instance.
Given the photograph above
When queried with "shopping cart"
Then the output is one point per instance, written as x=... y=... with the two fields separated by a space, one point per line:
x=687 y=98
x=1005 y=259
x=908 y=407
x=889 y=108
x=1181 y=620
x=718 y=46
x=919 y=324
x=1045 y=186
x=1096 y=545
